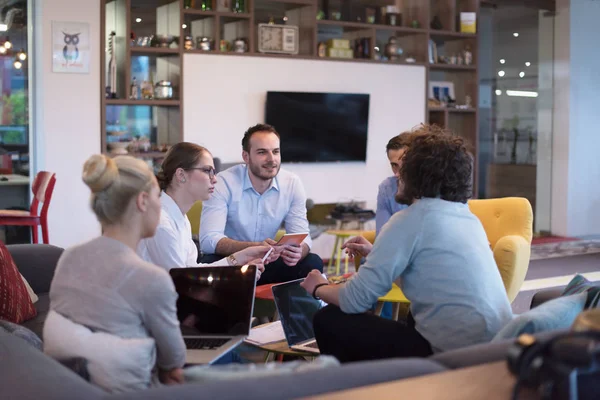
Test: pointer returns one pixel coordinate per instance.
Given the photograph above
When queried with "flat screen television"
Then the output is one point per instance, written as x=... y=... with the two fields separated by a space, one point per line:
x=320 y=127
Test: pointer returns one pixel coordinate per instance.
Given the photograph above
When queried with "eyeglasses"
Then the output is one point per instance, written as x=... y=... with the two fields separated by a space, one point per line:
x=207 y=170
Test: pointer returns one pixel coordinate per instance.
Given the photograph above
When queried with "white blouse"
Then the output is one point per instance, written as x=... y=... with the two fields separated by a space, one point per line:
x=172 y=245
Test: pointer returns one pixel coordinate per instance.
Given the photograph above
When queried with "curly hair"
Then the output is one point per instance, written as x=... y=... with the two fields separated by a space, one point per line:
x=436 y=164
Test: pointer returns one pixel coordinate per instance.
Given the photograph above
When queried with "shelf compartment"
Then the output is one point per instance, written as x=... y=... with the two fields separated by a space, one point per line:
x=453 y=67
x=412 y=45
x=298 y=14
x=154 y=51
x=154 y=103
x=451 y=35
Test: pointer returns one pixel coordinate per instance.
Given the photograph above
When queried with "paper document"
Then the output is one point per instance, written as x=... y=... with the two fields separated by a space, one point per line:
x=267 y=333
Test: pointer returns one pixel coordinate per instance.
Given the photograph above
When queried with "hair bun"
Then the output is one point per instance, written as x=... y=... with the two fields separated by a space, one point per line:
x=99 y=172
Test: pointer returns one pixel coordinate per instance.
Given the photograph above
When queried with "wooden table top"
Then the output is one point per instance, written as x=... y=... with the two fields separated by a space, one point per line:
x=488 y=381
x=282 y=347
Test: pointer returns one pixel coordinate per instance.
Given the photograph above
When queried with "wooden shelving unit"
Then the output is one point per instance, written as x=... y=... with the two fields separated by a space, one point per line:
x=413 y=34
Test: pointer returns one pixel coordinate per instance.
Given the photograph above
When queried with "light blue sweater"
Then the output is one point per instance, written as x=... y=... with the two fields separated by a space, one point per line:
x=441 y=254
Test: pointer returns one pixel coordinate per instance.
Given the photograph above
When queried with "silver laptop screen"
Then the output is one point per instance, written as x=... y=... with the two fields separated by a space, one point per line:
x=296 y=310
x=215 y=300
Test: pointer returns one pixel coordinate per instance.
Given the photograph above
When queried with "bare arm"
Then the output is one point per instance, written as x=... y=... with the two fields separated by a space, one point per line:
x=326 y=292
x=226 y=246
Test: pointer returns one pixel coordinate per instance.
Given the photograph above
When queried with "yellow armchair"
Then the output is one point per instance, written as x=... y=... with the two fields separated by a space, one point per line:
x=194 y=215
x=508 y=224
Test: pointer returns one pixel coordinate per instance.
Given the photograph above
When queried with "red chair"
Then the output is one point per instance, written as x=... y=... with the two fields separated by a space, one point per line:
x=42 y=189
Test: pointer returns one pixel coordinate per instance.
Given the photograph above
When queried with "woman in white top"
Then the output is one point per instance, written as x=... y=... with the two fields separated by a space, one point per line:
x=104 y=286
x=187 y=175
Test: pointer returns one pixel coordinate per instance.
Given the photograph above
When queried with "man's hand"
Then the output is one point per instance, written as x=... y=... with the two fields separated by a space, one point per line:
x=357 y=246
x=171 y=377
x=313 y=278
x=291 y=254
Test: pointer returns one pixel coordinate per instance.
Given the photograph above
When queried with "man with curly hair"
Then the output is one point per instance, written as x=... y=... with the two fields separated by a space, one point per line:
x=437 y=249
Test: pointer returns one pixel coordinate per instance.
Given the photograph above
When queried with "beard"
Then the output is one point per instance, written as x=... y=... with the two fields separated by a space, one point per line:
x=259 y=172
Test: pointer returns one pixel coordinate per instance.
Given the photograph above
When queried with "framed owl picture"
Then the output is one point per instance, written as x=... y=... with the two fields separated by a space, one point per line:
x=71 y=47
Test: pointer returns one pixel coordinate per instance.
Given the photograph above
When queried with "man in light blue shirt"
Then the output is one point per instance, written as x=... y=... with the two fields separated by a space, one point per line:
x=386 y=203
x=251 y=202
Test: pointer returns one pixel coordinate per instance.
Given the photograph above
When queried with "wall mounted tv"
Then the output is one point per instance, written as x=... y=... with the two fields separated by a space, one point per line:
x=320 y=127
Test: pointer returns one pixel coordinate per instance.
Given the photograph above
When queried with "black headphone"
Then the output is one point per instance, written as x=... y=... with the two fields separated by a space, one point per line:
x=539 y=364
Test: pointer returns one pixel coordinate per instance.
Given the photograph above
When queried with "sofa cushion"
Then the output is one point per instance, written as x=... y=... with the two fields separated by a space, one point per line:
x=115 y=364
x=553 y=315
x=15 y=303
x=36 y=324
x=297 y=385
x=23 y=333
x=27 y=373
x=579 y=284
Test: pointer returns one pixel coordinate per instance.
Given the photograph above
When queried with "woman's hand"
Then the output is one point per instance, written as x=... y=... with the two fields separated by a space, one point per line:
x=253 y=253
x=171 y=377
x=260 y=267
x=357 y=246
x=276 y=253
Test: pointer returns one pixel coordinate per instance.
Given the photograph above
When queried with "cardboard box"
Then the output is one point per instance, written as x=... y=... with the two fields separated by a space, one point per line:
x=468 y=22
x=338 y=43
x=340 y=53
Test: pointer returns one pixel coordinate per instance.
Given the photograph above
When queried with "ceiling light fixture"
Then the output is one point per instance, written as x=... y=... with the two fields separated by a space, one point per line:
x=521 y=93
x=521 y=74
x=502 y=61
x=516 y=34
x=138 y=20
x=527 y=64
x=184 y=26
x=498 y=92
x=3 y=27
x=18 y=64
x=501 y=73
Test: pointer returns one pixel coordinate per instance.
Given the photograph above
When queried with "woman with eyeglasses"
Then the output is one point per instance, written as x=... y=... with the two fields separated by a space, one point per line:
x=187 y=175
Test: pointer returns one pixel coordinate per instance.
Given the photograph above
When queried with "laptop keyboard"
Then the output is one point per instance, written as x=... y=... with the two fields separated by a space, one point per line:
x=204 y=344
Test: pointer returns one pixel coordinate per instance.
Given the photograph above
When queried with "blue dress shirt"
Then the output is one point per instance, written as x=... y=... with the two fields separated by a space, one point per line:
x=386 y=203
x=238 y=212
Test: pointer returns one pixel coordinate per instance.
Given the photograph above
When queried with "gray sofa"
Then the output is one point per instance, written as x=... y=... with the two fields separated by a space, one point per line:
x=26 y=373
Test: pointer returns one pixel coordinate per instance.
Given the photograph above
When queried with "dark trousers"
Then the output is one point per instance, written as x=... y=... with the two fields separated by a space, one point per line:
x=278 y=271
x=359 y=337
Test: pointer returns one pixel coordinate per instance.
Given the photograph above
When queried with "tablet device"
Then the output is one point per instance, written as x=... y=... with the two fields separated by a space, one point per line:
x=292 y=238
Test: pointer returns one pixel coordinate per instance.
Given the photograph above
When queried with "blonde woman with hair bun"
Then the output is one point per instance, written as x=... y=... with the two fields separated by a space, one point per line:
x=104 y=286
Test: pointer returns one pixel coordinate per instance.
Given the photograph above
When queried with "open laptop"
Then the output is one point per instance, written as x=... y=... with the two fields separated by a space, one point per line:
x=214 y=309
x=296 y=310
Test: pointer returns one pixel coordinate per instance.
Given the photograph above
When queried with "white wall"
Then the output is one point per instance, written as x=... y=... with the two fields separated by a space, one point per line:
x=66 y=120
x=223 y=97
